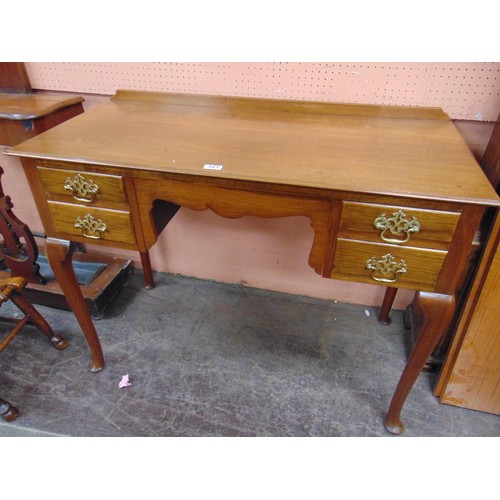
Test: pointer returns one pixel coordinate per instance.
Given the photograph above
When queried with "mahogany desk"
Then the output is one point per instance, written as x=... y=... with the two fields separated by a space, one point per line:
x=393 y=194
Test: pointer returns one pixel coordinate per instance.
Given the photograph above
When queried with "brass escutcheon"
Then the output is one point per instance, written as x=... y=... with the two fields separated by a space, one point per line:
x=386 y=269
x=397 y=225
x=91 y=227
x=81 y=188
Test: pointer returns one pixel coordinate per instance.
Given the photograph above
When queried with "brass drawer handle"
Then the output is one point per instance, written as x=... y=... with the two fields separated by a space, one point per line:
x=91 y=227
x=386 y=269
x=81 y=188
x=397 y=225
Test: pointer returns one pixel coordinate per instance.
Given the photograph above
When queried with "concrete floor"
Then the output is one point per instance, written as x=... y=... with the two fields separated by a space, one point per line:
x=208 y=359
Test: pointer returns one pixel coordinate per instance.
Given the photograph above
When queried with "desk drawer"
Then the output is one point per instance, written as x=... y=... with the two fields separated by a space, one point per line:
x=398 y=225
x=92 y=223
x=82 y=187
x=387 y=265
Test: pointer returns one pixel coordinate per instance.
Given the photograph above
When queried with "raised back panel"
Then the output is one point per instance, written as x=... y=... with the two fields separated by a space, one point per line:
x=466 y=91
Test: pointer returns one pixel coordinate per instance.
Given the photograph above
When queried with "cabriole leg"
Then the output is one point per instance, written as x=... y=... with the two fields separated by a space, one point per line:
x=431 y=313
x=58 y=254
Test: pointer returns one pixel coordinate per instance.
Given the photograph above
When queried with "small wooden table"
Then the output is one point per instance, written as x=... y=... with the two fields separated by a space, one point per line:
x=23 y=116
x=393 y=194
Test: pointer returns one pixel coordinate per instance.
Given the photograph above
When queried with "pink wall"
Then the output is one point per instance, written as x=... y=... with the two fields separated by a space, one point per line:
x=269 y=254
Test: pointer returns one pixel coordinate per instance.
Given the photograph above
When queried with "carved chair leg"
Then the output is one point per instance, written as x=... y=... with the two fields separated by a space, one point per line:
x=7 y=411
x=390 y=295
x=39 y=321
x=431 y=314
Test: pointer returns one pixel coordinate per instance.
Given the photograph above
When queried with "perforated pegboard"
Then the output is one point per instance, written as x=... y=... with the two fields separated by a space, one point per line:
x=468 y=91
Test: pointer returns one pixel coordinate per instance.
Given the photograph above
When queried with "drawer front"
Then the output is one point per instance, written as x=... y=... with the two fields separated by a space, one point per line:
x=387 y=265
x=398 y=225
x=91 y=223
x=82 y=187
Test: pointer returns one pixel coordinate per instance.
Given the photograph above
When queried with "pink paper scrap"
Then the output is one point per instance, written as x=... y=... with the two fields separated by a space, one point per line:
x=124 y=382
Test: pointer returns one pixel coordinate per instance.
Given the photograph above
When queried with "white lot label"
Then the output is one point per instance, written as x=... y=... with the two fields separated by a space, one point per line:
x=210 y=166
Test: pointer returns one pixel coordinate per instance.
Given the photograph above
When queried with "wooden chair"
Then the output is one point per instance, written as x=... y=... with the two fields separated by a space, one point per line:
x=11 y=288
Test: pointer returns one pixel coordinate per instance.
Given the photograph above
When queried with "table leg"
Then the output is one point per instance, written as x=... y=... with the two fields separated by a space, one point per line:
x=390 y=295
x=147 y=270
x=431 y=314
x=7 y=411
x=59 y=254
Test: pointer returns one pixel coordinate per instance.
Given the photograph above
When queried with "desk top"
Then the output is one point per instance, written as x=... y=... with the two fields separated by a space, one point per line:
x=400 y=151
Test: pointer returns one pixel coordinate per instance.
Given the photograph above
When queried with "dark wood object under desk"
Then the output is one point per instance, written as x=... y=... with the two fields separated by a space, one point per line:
x=393 y=194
